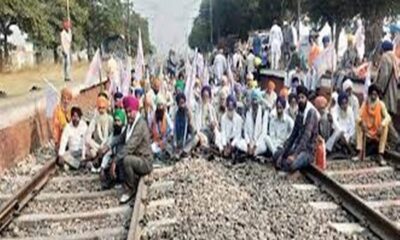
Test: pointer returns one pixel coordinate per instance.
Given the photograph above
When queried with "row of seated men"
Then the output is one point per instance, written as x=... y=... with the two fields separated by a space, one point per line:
x=125 y=135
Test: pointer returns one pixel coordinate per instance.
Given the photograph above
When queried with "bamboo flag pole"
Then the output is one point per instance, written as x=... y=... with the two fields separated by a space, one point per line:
x=68 y=15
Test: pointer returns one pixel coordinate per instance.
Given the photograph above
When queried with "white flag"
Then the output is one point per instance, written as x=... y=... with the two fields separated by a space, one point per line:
x=325 y=61
x=231 y=79
x=206 y=75
x=94 y=72
x=139 y=63
x=191 y=79
x=367 y=82
x=51 y=101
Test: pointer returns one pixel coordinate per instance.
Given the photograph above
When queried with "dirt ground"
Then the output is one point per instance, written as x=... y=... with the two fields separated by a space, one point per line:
x=17 y=85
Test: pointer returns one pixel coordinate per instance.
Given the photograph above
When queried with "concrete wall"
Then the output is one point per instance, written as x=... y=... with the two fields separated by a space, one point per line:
x=25 y=128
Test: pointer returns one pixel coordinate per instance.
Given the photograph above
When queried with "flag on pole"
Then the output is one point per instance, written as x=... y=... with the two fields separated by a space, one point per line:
x=139 y=63
x=93 y=74
x=191 y=79
x=326 y=61
x=206 y=75
x=52 y=97
x=367 y=82
x=231 y=80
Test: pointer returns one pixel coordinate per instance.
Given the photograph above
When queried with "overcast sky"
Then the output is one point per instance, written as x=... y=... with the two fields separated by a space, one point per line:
x=170 y=21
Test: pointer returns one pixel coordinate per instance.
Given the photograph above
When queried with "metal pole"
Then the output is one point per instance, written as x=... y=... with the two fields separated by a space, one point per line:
x=211 y=24
x=128 y=28
x=298 y=18
x=68 y=16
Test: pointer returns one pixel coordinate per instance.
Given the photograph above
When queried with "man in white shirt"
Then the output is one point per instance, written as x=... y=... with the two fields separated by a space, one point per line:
x=280 y=127
x=73 y=138
x=66 y=40
x=250 y=62
x=276 y=41
x=220 y=66
x=344 y=126
x=231 y=128
x=353 y=102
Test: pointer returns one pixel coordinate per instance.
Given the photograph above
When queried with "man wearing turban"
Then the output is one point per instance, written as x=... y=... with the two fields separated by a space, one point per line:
x=99 y=132
x=61 y=115
x=350 y=58
x=298 y=150
x=280 y=126
x=270 y=96
x=255 y=127
x=354 y=103
x=373 y=124
x=161 y=128
x=231 y=128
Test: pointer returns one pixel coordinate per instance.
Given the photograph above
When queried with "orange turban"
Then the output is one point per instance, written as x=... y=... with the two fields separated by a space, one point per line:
x=102 y=102
x=66 y=93
x=157 y=83
x=271 y=85
x=320 y=102
x=284 y=92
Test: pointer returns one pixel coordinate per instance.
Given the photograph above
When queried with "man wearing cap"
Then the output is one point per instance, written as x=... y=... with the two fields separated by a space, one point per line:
x=353 y=102
x=231 y=128
x=99 y=132
x=73 y=138
x=136 y=154
x=280 y=126
x=373 y=123
x=66 y=40
x=255 y=128
x=161 y=128
x=298 y=150
x=61 y=115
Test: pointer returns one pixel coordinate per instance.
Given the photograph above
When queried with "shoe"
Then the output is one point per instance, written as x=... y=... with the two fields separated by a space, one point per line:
x=381 y=161
x=126 y=197
x=355 y=158
x=94 y=170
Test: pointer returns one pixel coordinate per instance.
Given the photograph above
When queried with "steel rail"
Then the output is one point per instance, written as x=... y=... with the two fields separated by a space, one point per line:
x=375 y=221
x=138 y=211
x=12 y=208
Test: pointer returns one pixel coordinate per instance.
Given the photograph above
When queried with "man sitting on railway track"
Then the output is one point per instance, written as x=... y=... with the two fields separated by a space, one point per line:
x=61 y=116
x=136 y=153
x=231 y=129
x=298 y=150
x=373 y=124
x=73 y=138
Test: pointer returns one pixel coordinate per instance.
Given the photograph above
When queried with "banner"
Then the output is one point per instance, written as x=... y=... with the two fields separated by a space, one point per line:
x=326 y=61
x=191 y=79
x=231 y=80
x=51 y=100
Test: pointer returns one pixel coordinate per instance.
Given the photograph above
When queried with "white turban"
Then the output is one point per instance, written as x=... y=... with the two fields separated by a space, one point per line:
x=347 y=84
x=250 y=77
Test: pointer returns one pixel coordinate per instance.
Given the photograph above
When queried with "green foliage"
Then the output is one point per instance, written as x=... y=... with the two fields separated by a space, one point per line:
x=92 y=21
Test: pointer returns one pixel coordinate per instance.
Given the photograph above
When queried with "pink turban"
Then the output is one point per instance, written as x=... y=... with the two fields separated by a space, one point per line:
x=131 y=103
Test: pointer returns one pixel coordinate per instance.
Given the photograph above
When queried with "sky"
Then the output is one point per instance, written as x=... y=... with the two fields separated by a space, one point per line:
x=170 y=22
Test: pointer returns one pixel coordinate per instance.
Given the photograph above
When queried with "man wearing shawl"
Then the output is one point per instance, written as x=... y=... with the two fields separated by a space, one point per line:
x=270 y=96
x=345 y=128
x=280 y=126
x=326 y=127
x=99 y=132
x=183 y=126
x=231 y=128
x=161 y=128
x=255 y=128
x=135 y=154
x=314 y=51
x=298 y=150
x=61 y=115
x=73 y=138
x=111 y=149
x=388 y=80
x=206 y=119
x=373 y=123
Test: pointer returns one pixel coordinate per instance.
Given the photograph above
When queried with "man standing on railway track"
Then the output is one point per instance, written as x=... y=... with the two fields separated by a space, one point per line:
x=136 y=154
x=373 y=124
x=298 y=150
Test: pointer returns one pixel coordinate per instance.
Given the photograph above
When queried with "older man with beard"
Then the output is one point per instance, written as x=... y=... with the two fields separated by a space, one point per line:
x=298 y=150
x=183 y=127
x=231 y=128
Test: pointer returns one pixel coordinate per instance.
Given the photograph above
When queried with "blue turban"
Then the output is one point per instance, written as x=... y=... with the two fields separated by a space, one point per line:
x=139 y=91
x=342 y=96
x=180 y=96
x=255 y=95
x=231 y=99
x=118 y=95
x=326 y=39
x=204 y=89
x=282 y=101
x=387 y=46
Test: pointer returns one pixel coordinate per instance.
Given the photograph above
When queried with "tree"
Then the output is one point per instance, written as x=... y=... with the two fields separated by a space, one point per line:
x=29 y=15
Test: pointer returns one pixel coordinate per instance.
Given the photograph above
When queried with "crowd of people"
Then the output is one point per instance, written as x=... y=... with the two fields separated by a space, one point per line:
x=164 y=118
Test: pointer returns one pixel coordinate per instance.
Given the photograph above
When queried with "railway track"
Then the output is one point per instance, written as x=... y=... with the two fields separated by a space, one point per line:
x=369 y=192
x=71 y=205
